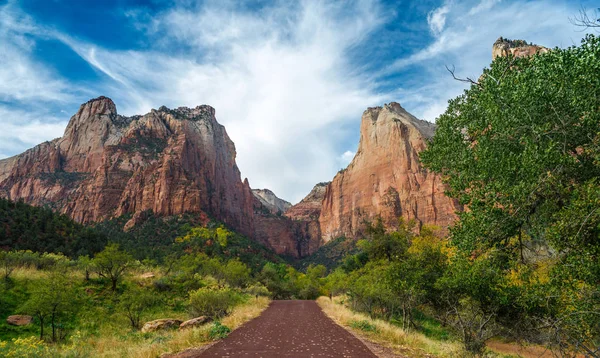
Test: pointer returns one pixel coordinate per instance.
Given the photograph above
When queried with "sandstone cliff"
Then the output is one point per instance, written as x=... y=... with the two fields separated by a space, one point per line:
x=385 y=178
x=517 y=48
x=309 y=209
x=169 y=161
x=270 y=201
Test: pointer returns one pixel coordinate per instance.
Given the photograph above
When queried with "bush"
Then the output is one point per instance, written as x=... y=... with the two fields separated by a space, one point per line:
x=364 y=325
x=218 y=331
x=258 y=289
x=213 y=303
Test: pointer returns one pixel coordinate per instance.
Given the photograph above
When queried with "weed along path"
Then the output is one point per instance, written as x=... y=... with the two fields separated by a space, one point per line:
x=290 y=329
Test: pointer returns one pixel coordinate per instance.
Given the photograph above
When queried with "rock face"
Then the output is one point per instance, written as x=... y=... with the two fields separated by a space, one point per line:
x=384 y=178
x=169 y=161
x=309 y=209
x=517 y=48
x=269 y=200
x=19 y=320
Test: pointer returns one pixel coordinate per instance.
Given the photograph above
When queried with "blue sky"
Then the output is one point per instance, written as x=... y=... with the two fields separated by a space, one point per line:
x=289 y=80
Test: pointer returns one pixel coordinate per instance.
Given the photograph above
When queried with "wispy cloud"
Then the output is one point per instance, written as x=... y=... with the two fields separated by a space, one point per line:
x=466 y=42
x=437 y=18
x=289 y=80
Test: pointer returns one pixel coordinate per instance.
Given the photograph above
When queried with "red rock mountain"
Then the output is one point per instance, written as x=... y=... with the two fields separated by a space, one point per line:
x=384 y=178
x=170 y=161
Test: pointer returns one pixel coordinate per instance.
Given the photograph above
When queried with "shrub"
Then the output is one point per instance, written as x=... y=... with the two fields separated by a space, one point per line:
x=218 y=331
x=258 y=289
x=364 y=325
x=213 y=303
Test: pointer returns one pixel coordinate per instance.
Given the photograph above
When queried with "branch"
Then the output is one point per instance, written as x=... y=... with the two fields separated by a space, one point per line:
x=467 y=80
x=585 y=21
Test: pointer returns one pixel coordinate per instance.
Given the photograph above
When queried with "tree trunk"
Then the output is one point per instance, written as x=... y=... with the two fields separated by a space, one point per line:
x=41 y=328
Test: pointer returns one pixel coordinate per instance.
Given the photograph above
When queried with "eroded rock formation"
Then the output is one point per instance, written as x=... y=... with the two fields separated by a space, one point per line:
x=169 y=161
x=384 y=178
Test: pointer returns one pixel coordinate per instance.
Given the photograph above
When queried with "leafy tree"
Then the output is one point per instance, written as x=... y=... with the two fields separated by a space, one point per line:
x=521 y=150
x=236 y=273
x=52 y=301
x=134 y=302
x=112 y=263
x=9 y=261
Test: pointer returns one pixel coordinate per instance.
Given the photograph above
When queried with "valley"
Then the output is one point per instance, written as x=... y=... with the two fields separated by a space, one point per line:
x=136 y=236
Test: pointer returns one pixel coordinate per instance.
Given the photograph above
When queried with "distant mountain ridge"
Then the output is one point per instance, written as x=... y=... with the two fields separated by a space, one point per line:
x=168 y=161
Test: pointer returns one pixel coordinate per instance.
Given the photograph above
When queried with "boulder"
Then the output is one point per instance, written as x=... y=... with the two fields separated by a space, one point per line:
x=161 y=324
x=19 y=320
x=195 y=322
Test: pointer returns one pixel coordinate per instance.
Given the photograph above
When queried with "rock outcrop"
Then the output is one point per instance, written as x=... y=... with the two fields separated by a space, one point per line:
x=270 y=201
x=195 y=322
x=169 y=161
x=309 y=209
x=161 y=324
x=517 y=48
x=385 y=178
x=19 y=320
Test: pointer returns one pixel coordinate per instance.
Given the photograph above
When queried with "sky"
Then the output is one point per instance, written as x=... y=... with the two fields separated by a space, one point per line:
x=288 y=79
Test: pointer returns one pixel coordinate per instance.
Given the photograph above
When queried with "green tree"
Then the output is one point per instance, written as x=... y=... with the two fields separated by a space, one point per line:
x=112 y=263
x=134 y=302
x=52 y=301
x=9 y=261
x=521 y=149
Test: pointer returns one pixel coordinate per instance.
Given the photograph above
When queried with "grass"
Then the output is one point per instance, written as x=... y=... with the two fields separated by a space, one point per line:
x=413 y=344
x=103 y=331
x=111 y=343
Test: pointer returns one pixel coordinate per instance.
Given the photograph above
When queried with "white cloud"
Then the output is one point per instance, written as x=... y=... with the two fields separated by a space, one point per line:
x=280 y=78
x=21 y=77
x=279 y=81
x=22 y=129
x=437 y=19
x=346 y=158
x=483 y=6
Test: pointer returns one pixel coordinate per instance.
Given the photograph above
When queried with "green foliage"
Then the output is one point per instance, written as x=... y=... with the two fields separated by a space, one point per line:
x=52 y=302
x=214 y=303
x=330 y=255
x=26 y=227
x=112 y=263
x=218 y=331
x=363 y=325
x=135 y=302
x=30 y=347
x=522 y=150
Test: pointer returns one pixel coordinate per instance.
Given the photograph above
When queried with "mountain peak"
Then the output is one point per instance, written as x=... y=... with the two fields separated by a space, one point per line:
x=518 y=48
x=99 y=105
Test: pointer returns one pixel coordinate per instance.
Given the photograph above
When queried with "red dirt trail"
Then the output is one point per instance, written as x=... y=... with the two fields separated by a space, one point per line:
x=290 y=329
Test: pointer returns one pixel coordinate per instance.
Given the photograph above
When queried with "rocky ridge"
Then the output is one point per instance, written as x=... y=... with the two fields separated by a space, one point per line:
x=169 y=161
x=270 y=201
x=385 y=179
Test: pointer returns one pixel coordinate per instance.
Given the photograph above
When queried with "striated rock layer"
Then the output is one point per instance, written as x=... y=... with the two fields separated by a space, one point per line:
x=169 y=161
x=385 y=178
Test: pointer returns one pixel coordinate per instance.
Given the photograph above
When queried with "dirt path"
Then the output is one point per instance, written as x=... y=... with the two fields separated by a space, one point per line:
x=290 y=329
